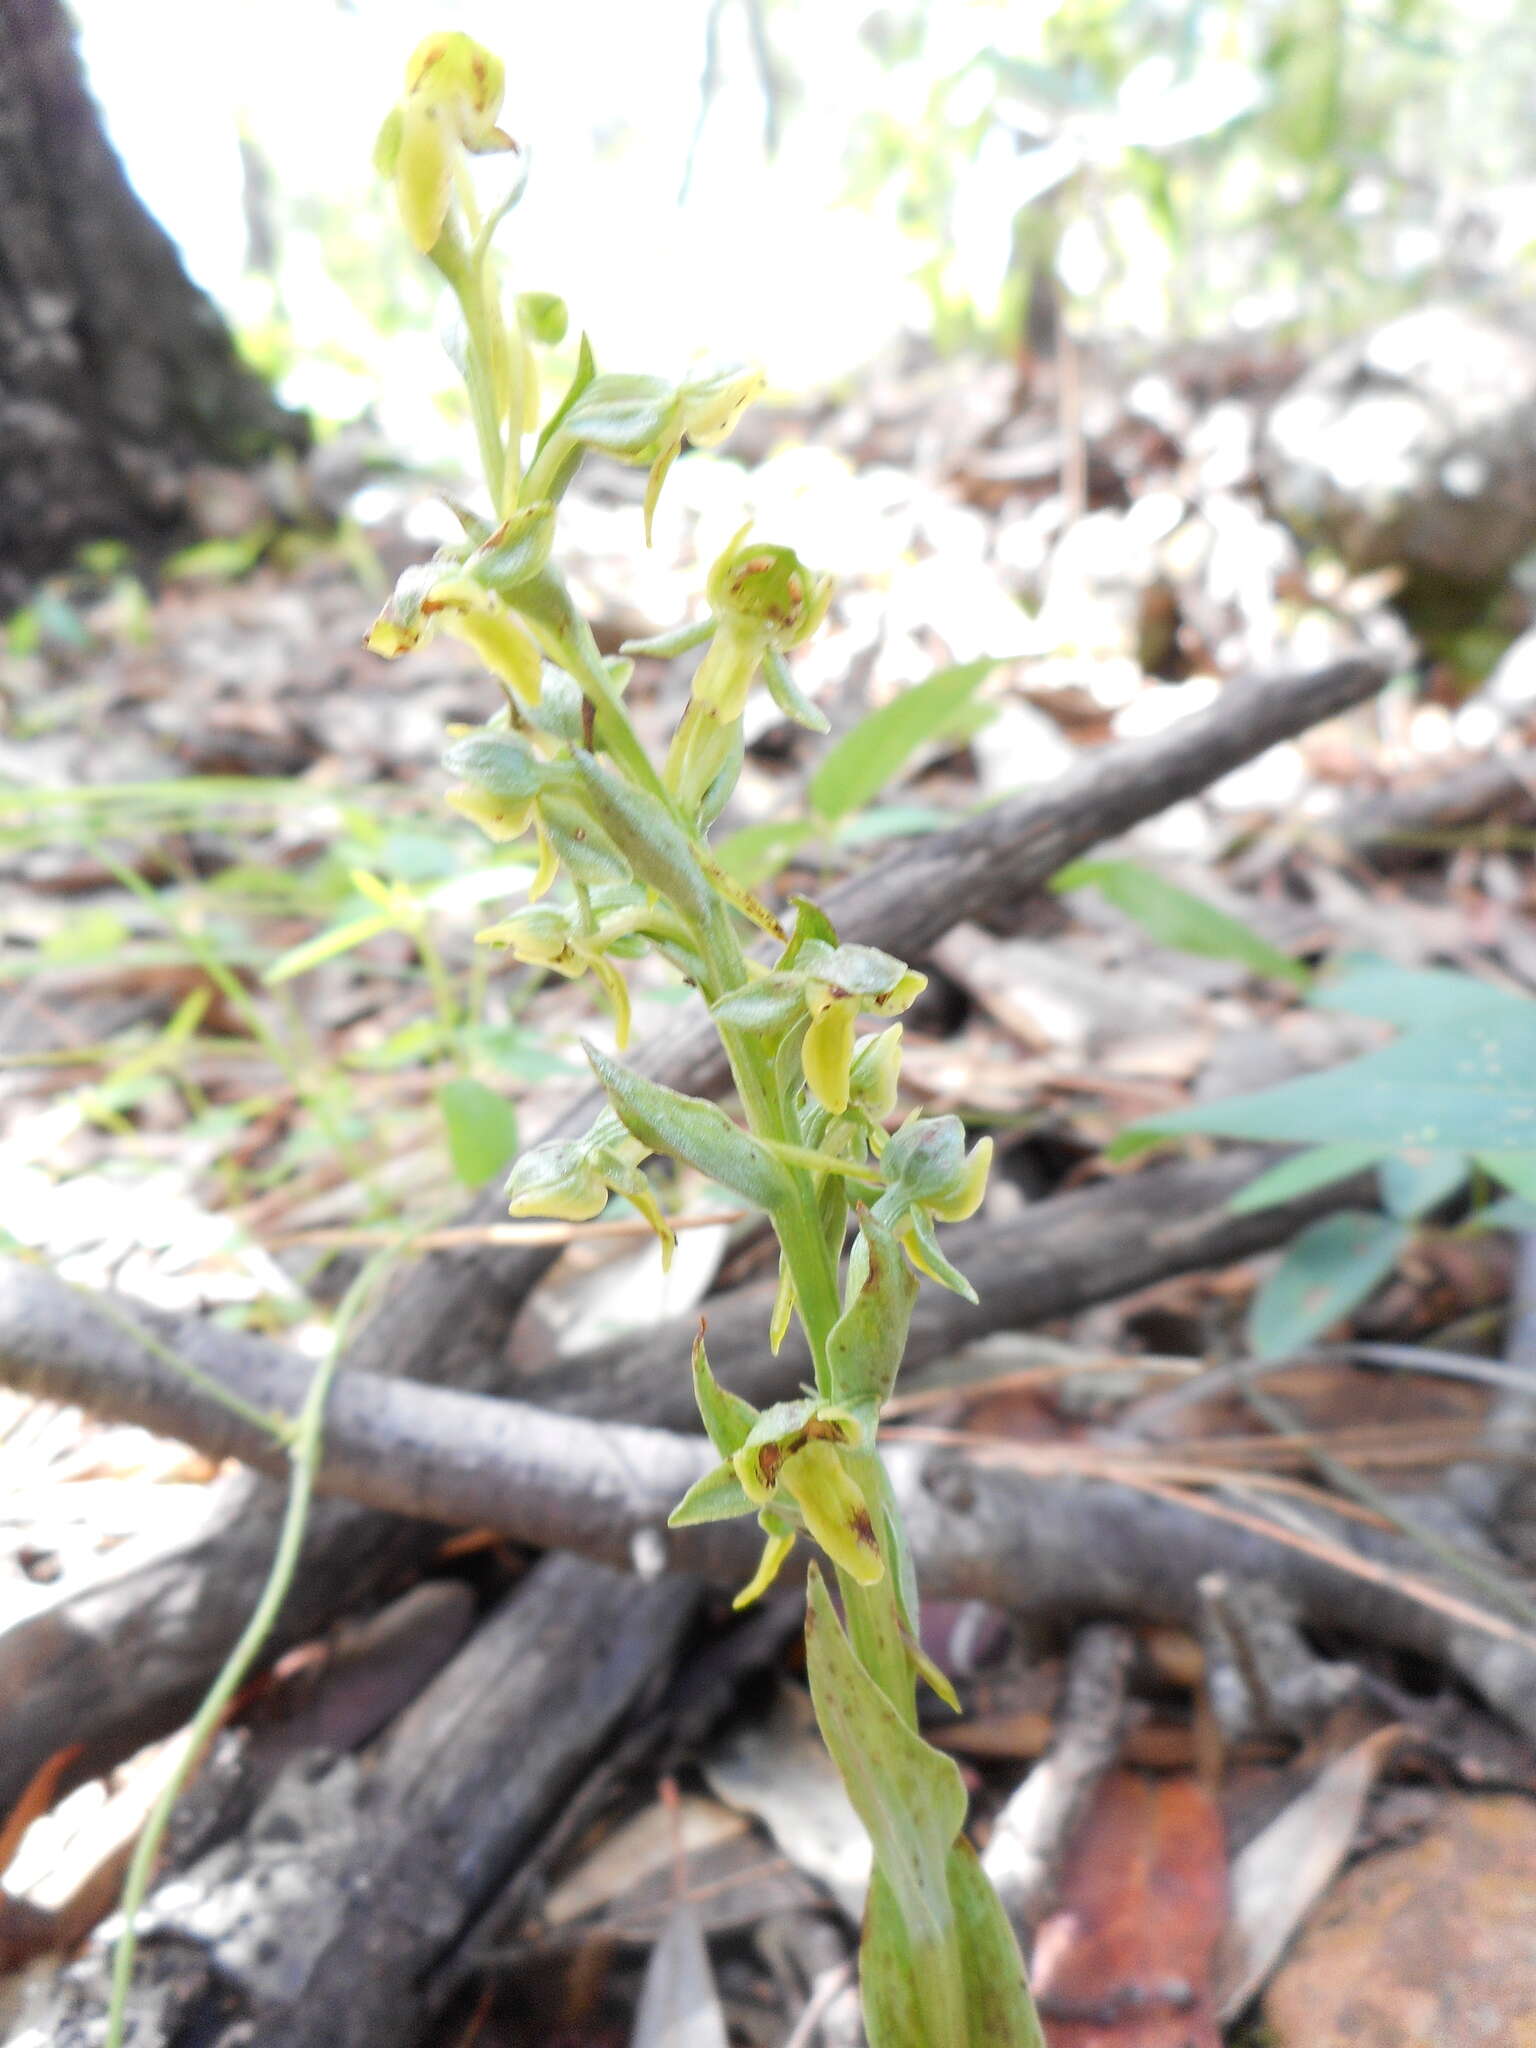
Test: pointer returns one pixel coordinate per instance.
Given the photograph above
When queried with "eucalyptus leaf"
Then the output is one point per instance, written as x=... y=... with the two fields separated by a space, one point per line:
x=1328 y=1270
x=1317 y=1167
x=1410 y=997
x=1463 y=1087
x=1413 y=1183
x=1515 y=1170
x=757 y=853
x=1176 y=918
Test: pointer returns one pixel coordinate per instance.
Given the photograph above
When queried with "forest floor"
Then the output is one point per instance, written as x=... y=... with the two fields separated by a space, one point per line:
x=246 y=1041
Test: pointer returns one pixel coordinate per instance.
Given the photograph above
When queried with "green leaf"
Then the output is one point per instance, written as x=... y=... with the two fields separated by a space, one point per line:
x=717 y=1497
x=1516 y=1170
x=92 y=934
x=728 y=1420
x=481 y=1127
x=1413 y=998
x=1318 y=1167
x=912 y=1802
x=1331 y=1268
x=865 y=760
x=691 y=1129
x=758 y=852
x=340 y=938
x=649 y=838
x=1413 y=1183
x=998 y=2007
x=1468 y=1087
x=545 y=315
x=1509 y=1212
x=1176 y=918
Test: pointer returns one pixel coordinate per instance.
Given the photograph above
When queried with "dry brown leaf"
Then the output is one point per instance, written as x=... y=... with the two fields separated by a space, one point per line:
x=1125 y=1960
x=1288 y=1866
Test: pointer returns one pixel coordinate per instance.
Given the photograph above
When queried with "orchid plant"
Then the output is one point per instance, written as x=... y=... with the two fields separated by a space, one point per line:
x=626 y=840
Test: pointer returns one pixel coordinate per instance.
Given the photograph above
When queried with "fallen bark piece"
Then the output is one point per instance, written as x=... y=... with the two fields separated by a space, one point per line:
x=331 y=1921
x=1427 y=1945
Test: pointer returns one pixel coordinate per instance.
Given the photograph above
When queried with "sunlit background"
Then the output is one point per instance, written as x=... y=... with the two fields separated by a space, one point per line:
x=802 y=180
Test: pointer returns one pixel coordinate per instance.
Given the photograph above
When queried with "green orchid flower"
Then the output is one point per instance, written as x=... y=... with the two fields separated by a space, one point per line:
x=453 y=94
x=930 y=1177
x=793 y=1466
x=829 y=986
x=572 y=1180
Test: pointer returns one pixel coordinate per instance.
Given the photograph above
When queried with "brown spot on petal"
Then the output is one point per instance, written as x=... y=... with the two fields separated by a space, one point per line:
x=864 y=1529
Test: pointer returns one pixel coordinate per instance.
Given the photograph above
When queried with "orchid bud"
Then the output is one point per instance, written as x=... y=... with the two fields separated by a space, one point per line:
x=453 y=93
x=768 y=591
x=557 y=1180
x=875 y=1073
x=443 y=595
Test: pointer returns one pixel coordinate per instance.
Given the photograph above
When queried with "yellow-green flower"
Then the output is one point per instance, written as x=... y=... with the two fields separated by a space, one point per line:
x=792 y=1464
x=453 y=94
x=572 y=1180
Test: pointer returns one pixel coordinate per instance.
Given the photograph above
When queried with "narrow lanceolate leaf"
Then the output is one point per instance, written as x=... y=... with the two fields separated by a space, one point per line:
x=912 y=1802
x=728 y=1420
x=865 y=1344
x=717 y=1497
x=693 y=1130
x=1319 y=1166
x=1330 y=1269
x=998 y=2006
x=1176 y=918
x=650 y=839
x=865 y=760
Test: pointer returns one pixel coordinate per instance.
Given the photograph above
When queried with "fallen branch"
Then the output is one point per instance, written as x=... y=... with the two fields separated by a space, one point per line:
x=1038 y=1541
x=331 y=1919
x=1097 y=1244
x=1033 y=1831
x=124 y=1661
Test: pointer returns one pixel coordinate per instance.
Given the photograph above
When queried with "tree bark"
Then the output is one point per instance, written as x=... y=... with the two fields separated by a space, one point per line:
x=117 y=375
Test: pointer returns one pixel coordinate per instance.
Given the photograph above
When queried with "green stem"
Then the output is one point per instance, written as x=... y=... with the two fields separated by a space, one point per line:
x=811 y=1263
x=874 y=1629
x=304 y=1465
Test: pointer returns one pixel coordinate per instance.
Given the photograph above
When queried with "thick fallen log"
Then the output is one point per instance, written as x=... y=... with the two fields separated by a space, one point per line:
x=1040 y=1541
x=325 y=1923
x=126 y=1659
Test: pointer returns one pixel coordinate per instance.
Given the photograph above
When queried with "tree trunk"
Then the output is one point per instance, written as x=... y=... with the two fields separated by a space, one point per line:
x=117 y=375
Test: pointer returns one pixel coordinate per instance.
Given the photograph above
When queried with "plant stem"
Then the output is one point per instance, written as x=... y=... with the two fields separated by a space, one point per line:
x=304 y=1465
x=874 y=1629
